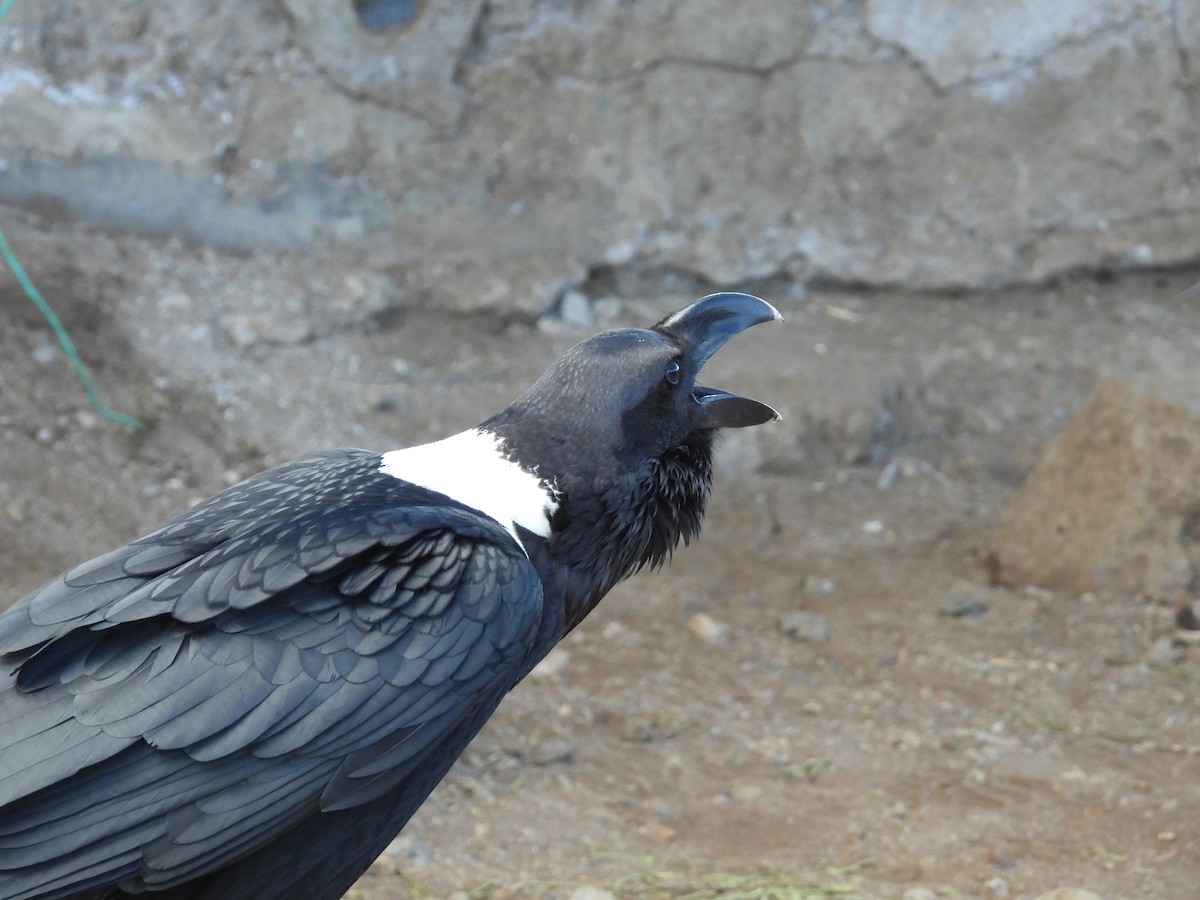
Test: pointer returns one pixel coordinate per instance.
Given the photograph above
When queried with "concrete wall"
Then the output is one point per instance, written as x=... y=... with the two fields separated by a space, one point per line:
x=498 y=154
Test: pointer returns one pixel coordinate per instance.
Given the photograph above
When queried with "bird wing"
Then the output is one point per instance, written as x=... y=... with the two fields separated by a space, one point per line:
x=298 y=643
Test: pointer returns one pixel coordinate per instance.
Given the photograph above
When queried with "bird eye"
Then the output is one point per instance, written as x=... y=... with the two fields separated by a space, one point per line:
x=672 y=373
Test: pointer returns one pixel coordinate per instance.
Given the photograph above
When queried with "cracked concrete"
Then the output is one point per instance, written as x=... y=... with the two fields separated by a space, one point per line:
x=489 y=154
x=970 y=45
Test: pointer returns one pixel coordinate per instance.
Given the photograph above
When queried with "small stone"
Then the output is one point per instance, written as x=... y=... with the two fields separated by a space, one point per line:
x=44 y=353
x=961 y=604
x=613 y=631
x=918 y=893
x=815 y=585
x=576 y=310
x=550 y=752
x=620 y=253
x=1164 y=652
x=589 y=892
x=997 y=886
x=810 y=770
x=1069 y=893
x=707 y=630
x=802 y=625
x=651 y=725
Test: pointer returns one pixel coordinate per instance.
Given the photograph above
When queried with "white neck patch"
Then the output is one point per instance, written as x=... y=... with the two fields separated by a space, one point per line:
x=470 y=467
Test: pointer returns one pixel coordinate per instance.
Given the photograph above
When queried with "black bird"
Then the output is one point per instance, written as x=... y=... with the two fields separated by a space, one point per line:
x=251 y=701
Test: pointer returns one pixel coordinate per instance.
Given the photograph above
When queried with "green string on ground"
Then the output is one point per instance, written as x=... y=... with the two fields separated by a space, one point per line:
x=64 y=339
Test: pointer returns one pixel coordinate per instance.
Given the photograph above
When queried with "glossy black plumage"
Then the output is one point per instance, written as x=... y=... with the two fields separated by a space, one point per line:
x=392 y=613
x=252 y=700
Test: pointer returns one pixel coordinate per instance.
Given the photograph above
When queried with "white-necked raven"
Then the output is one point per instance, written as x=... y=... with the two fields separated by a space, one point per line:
x=251 y=701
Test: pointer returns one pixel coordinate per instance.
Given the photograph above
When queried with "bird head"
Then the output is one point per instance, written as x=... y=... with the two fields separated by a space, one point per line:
x=622 y=434
x=632 y=394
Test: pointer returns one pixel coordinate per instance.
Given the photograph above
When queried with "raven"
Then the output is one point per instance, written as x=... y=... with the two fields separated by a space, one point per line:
x=252 y=700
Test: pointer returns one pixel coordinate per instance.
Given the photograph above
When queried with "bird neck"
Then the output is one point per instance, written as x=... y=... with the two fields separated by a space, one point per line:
x=475 y=468
x=610 y=523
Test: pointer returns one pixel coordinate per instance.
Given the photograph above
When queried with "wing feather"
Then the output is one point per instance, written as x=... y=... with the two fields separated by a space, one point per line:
x=293 y=644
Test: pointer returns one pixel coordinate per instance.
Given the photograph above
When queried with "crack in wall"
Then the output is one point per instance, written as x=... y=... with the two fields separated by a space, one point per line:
x=1189 y=81
x=1185 y=63
x=1020 y=69
x=837 y=200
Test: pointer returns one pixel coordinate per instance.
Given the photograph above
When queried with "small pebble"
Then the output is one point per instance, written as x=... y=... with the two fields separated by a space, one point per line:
x=620 y=253
x=707 y=630
x=961 y=604
x=550 y=752
x=1069 y=893
x=919 y=893
x=613 y=631
x=997 y=886
x=810 y=770
x=802 y=625
x=576 y=310
x=1164 y=652
x=44 y=353
x=592 y=893
x=816 y=585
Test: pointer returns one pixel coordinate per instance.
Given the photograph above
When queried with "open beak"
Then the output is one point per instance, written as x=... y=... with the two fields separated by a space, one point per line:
x=705 y=326
x=725 y=410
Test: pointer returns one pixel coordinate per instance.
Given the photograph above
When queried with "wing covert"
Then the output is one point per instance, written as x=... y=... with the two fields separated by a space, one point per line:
x=325 y=651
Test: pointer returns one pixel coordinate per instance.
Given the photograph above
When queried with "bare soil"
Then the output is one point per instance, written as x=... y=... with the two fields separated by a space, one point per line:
x=919 y=728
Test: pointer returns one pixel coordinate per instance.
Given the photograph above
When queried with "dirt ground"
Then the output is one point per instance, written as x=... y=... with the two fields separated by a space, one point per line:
x=824 y=696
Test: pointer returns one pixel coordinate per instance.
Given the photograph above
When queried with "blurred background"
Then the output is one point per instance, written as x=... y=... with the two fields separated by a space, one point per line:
x=938 y=638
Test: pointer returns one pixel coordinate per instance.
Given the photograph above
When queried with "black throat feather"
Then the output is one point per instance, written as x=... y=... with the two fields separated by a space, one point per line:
x=608 y=527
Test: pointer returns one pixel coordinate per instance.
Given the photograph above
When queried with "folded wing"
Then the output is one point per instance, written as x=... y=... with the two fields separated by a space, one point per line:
x=298 y=644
